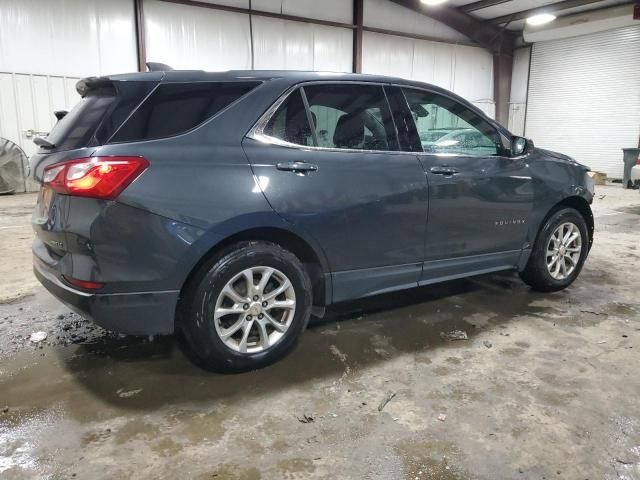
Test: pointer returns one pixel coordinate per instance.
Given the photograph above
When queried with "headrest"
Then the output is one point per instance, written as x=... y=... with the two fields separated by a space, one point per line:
x=349 y=131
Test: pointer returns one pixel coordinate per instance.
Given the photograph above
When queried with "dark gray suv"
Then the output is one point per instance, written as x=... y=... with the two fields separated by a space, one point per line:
x=229 y=207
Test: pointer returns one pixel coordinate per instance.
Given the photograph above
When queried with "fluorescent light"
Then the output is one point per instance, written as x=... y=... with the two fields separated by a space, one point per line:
x=541 y=19
x=433 y=3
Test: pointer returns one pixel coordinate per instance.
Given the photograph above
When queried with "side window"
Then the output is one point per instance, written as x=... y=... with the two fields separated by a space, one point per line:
x=290 y=122
x=446 y=126
x=175 y=108
x=351 y=116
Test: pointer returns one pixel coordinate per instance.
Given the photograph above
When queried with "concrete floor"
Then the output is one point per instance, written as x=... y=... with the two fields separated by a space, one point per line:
x=545 y=387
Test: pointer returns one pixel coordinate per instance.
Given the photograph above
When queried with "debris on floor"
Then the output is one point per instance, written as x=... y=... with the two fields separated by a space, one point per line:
x=128 y=393
x=306 y=418
x=442 y=417
x=487 y=344
x=454 y=335
x=386 y=400
x=37 y=337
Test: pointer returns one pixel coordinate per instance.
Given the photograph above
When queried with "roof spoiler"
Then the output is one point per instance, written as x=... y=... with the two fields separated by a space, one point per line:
x=158 y=67
x=90 y=83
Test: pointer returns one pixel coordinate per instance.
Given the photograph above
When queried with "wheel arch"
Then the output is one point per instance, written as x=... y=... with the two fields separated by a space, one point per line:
x=577 y=203
x=582 y=206
x=312 y=260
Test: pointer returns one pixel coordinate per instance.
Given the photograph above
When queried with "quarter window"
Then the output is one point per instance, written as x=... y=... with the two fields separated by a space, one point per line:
x=290 y=122
x=175 y=108
x=446 y=126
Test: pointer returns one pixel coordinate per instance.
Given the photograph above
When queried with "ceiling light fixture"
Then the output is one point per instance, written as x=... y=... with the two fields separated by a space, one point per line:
x=541 y=19
x=433 y=3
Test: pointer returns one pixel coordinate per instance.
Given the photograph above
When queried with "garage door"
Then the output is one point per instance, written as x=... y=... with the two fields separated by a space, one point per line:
x=584 y=97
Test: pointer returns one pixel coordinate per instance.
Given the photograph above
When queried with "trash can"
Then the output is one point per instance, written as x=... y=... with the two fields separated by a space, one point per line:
x=630 y=158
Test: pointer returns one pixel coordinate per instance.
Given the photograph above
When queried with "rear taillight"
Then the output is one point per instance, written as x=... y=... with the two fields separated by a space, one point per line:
x=96 y=177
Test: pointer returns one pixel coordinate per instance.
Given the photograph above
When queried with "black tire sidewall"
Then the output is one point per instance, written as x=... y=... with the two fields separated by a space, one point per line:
x=207 y=349
x=537 y=271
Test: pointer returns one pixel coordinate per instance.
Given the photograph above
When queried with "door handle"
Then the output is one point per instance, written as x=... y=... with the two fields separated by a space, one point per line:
x=297 y=167
x=442 y=170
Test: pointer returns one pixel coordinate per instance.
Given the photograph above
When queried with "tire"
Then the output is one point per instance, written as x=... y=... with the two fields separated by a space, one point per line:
x=541 y=277
x=204 y=299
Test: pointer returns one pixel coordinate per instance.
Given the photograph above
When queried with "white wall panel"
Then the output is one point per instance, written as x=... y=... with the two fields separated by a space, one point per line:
x=283 y=44
x=188 y=37
x=390 y=16
x=584 y=97
x=387 y=55
x=67 y=37
x=473 y=73
x=519 y=85
x=27 y=103
x=332 y=10
x=520 y=77
x=467 y=71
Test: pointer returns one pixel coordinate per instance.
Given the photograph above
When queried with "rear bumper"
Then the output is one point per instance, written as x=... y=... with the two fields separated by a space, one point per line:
x=136 y=313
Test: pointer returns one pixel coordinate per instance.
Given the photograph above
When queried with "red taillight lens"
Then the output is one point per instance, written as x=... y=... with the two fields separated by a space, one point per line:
x=96 y=177
x=84 y=284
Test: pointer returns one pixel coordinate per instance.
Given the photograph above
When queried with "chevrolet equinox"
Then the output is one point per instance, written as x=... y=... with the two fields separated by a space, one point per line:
x=229 y=207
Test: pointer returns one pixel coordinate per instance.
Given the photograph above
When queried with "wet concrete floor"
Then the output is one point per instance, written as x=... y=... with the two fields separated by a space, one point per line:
x=545 y=386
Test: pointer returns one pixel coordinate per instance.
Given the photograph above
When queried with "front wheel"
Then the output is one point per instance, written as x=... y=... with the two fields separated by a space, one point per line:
x=559 y=252
x=246 y=309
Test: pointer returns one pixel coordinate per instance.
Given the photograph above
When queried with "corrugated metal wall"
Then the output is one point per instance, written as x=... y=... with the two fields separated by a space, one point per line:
x=584 y=97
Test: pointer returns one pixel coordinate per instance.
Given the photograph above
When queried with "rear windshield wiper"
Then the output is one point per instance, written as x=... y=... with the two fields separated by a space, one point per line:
x=44 y=143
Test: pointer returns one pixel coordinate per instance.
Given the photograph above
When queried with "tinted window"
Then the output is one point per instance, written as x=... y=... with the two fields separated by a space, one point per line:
x=130 y=94
x=77 y=127
x=290 y=122
x=175 y=108
x=446 y=126
x=353 y=117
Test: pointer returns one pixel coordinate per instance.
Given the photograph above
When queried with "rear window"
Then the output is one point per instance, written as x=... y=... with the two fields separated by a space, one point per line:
x=98 y=115
x=77 y=127
x=175 y=108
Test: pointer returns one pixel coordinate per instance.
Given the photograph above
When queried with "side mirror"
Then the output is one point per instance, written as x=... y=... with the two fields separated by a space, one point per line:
x=520 y=146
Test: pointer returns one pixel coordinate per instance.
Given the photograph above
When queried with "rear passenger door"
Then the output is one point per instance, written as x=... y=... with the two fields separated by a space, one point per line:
x=327 y=159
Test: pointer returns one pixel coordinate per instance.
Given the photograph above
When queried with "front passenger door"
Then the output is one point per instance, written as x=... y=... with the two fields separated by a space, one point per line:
x=480 y=199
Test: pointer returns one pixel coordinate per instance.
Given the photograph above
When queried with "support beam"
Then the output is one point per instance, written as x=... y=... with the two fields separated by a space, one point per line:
x=494 y=39
x=472 y=7
x=554 y=7
x=502 y=72
x=259 y=13
x=358 y=21
x=140 y=45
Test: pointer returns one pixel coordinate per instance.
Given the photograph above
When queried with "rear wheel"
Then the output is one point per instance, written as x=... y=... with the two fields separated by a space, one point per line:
x=246 y=309
x=559 y=252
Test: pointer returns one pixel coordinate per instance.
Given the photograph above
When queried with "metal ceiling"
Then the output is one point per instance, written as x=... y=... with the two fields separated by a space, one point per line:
x=512 y=13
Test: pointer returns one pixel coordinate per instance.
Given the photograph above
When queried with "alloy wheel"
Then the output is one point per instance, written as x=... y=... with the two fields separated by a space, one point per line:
x=255 y=309
x=563 y=250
